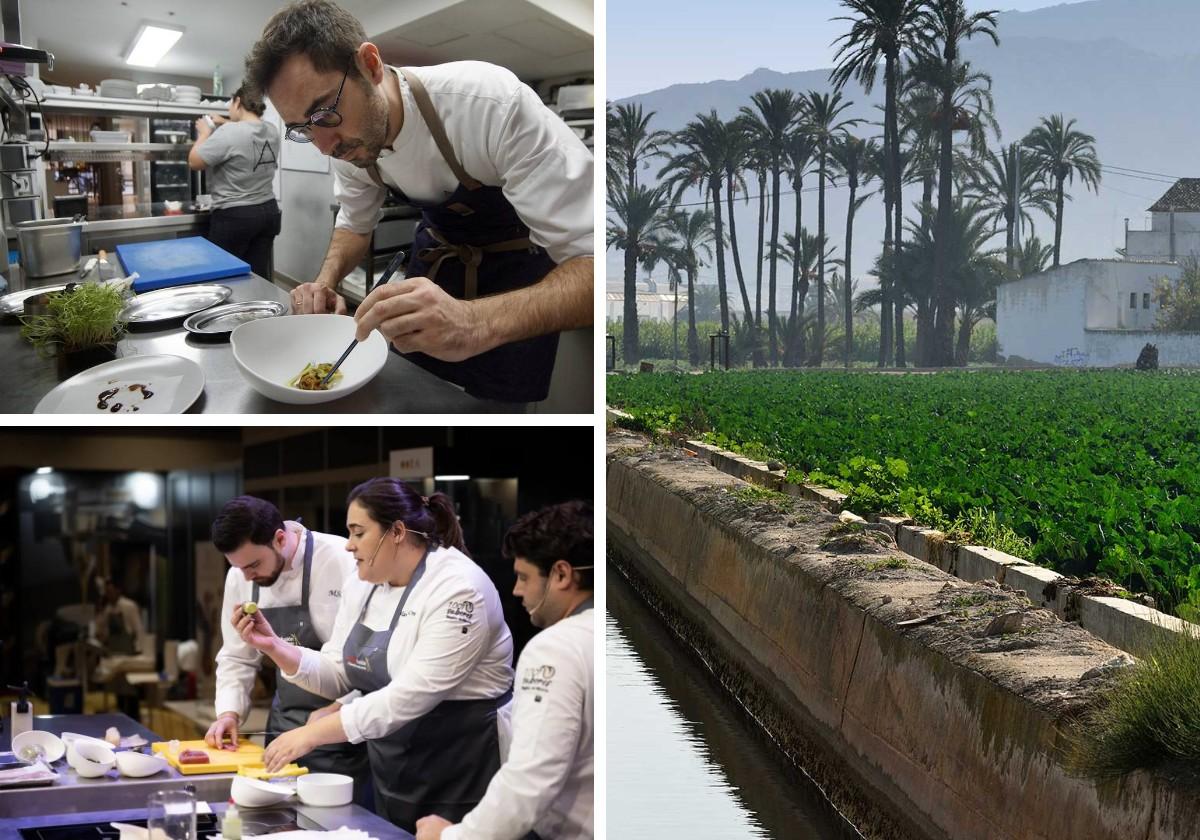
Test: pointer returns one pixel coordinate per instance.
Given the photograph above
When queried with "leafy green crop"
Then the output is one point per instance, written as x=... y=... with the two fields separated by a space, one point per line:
x=1083 y=471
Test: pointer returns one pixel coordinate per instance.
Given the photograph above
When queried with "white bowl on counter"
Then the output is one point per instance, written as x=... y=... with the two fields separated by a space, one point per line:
x=50 y=744
x=135 y=765
x=70 y=739
x=92 y=759
x=256 y=793
x=270 y=352
x=325 y=790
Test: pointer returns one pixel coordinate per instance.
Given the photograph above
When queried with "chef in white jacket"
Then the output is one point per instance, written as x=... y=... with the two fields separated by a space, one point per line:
x=546 y=787
x=295 y=577
x=425 y=644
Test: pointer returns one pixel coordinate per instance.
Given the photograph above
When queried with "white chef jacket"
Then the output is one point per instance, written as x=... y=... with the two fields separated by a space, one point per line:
x=450 y=643
x=238 y=662
x=547 y=782
x=503 y=136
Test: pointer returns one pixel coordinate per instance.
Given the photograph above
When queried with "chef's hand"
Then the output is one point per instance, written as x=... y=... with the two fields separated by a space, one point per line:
x=316 y=298
x=225 y=726
x=202 y=128
x=415 y=315
x=254 y=629
x=431 y=828
x=324 y=711
x=287 y=748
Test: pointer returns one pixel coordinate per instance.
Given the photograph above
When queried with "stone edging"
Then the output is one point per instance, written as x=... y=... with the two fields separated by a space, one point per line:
x=1129 y=626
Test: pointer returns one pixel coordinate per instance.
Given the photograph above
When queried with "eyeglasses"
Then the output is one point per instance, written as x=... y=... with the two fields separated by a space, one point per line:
x=322 y=117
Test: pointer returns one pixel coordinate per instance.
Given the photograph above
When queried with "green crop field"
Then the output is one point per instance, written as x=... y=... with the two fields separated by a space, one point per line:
x=1082 y=471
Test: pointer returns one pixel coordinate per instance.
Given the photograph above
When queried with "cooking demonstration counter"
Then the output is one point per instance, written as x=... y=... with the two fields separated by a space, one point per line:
x=76 y=806
x=399 y=388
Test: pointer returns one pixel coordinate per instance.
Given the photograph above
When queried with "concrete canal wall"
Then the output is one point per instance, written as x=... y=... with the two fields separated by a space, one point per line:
x=942 y=701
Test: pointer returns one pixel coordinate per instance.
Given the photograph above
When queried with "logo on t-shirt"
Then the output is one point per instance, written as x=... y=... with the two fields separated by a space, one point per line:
x=266 y=155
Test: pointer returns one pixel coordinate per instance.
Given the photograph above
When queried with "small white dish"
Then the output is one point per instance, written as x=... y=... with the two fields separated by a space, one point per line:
x=93 y=760
x=81 y=392
x=135 y=765
x=256 y=793
x=51 y=745
x=325 y=790
x=70 y=739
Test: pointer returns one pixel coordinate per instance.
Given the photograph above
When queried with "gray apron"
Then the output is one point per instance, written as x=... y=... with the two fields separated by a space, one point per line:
x=440 y=763
x=292 y=704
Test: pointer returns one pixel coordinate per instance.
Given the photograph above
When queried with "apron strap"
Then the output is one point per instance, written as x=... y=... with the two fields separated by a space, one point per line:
x=437 y=129
x=308 y=554
x=469 y=255
x=418 y=573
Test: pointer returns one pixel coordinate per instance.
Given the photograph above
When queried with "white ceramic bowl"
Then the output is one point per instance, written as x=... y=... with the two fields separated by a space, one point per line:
x=51 y=744
x=92 y=759
x=70 y=739
x=135 y=765
x=256 y=793
x=325 y=789
x=271 y=351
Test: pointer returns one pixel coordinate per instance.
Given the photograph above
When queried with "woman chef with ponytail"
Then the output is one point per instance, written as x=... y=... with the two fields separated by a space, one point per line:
x=422 y=648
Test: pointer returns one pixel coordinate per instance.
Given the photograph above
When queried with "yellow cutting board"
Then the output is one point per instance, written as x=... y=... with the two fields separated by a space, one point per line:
x=247 y=757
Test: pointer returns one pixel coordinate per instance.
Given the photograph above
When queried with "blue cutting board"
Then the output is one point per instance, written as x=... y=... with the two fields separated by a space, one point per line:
x=175 y=262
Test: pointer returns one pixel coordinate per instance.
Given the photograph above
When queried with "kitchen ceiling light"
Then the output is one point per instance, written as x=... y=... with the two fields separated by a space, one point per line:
x=153 y=41
x=44 y=470
x=452 y=478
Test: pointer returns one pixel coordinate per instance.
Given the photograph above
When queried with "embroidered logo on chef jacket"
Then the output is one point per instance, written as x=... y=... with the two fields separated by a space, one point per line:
x=537 y=679
x=461 y=611
x=335 y=593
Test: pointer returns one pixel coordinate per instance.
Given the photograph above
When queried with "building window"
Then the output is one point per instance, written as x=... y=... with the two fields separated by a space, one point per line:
x=1145 y=300
x=1133 y=300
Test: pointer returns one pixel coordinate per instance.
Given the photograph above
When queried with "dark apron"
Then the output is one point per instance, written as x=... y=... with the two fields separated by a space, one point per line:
x=292 y=704
x=440 y=763
x=473 y=244
x=120 y=640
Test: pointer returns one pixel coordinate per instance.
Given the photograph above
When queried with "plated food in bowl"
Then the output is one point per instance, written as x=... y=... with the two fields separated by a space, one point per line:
x=312 y=378
x=271 y=353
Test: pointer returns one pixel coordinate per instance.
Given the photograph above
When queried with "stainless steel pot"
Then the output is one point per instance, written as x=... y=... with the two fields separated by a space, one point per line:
x=50 y=246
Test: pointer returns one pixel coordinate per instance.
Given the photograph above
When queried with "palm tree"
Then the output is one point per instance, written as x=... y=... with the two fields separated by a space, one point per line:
x=1061 y=153
x=803 y=252
x=949 y=24
x=702 y=162
x=1032 y=256
x=800 y=151
x=768 y=129
x=994 y=187
x=882 y=28
x=852 y=156
x=640 y=221
x=977 y=299
x=689 y=238
x=822 y=122
x=630 y=141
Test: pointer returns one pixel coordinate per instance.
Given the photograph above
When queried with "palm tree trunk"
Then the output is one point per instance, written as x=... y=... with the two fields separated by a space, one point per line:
x=964 y=339
x=846 y=296
x=733 y=246
x=898 y=208
x=759 y=360
x=715 y=188
x=898 y=330
x=1008 y=233
x=889 y=198
x=1058 y=214
x=790 y=359
x=924 y=330
x=630 y=333
x=772 y=315
x=943 y=328
x=693 y=339
x=819 y=350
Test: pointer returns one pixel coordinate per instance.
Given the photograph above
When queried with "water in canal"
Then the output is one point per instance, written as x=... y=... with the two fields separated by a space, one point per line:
x=683 y=762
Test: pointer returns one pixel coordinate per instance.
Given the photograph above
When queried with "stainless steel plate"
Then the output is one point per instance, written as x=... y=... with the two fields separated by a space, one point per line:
x=222 y=320
x=14 y=304
x=169 y=304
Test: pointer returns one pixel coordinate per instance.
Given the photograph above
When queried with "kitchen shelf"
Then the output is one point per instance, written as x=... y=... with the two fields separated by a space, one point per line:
x=114 y=152
x=111 y=105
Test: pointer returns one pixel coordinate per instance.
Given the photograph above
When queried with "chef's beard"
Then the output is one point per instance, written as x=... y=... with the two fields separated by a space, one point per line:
x=269 y=581
x=375 y=131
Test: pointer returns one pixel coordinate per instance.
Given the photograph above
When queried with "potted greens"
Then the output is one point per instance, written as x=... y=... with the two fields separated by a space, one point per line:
x=80 y=326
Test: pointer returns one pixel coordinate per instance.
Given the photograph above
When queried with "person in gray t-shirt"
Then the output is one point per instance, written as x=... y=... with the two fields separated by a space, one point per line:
x=241 y=155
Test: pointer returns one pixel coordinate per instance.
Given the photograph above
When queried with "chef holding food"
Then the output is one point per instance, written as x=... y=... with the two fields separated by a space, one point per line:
x=425 y=649
x=293 y=577
x=502 y=257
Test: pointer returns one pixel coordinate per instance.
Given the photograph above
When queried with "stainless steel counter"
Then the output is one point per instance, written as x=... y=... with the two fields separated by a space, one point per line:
x=75 y=800
x=400 y=388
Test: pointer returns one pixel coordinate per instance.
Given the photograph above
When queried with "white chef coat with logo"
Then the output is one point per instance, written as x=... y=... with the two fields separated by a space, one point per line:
x=238 y=662
x=450 y=643
x=547 y=783
x=503 y=136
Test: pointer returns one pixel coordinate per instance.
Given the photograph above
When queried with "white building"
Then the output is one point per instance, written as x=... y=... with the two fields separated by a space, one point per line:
x=1101 y=312
x=652 y=304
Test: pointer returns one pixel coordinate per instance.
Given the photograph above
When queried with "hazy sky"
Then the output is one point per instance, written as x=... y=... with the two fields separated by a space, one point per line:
x=656 y=43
